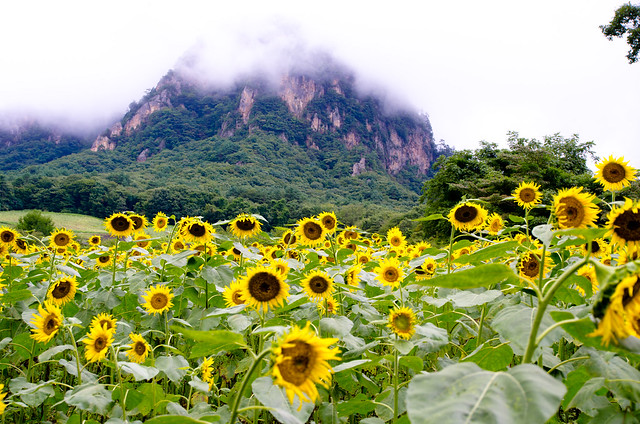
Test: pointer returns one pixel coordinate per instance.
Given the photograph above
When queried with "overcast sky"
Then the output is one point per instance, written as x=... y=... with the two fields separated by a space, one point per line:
x=478 y=69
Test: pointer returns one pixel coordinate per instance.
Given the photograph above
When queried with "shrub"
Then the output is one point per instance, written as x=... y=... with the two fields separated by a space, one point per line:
x=34 y=221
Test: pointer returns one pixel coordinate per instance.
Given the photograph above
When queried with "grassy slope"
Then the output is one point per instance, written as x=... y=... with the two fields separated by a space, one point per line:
x=83 y=225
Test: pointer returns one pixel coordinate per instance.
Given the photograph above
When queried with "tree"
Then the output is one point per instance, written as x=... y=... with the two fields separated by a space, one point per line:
x=35 y=221
x=626 y=21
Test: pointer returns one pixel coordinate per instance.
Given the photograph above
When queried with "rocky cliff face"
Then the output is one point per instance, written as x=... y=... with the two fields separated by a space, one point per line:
x=325 y=106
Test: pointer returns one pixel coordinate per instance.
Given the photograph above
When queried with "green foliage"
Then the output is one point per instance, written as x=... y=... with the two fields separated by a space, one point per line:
x=35 y=221
x=626 y=21
x=491 y=174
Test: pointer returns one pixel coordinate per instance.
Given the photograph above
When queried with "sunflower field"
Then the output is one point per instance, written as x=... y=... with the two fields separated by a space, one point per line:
x=186 y=321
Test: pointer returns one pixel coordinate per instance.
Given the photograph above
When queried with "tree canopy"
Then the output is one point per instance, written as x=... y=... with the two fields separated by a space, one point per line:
x=626 y=21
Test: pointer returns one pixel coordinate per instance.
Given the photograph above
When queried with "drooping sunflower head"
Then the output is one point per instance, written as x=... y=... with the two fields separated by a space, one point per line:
x=196 y=230
x=62 y=290
x=138 y=349
x=527 y=195
x=389 y=272
x=624 y=225
x=426 y=270
x=318 y=285
x=495 y=224
x=104 y=320
x=289 y=238
x=328 y=221
x=402 y=322
x=301 y=362
x=626 y=255
x=8 y=236
x=158 y=299
x=264 y=287
x=244 y=226
x=95 y=241
x=47 y=322
x=310 y=232
x=614 y=173
x=140 y=222
x=467 y=216
x=119 y=225
x=104 y=260
x=395 y=238
x=352 y=277
x=60 y=238
x=21 y=246
x=233 y=294
x=160 y=222
x=575 y=208
x=97 y=343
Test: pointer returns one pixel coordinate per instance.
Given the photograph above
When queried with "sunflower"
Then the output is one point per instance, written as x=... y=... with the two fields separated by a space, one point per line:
x=178 y=246
x=196 y=230
x=158 y=299
x=281 y=266
x=140 y=222
x=119 y=225
x=614 y=174
x=389 y=272
x=353 y=275
x=328 y=221
x=206 y=368
x=263 y=288
x=588 y=272
x=104 y=320
x=575 y=209
x=301 y=361
x=495 y=224
x=104 y=260
x=627 y=255
x=310 y=232
x=138 y=349
x=8 y=236
x=288 y=238
x=95 y=241
x=527 y=194
x=2 y=396
x=467 y=216
x=622 y=307
x=233 y=294
x=235 y=253
x=426 y=270
x=624 y=225
x=47 y=323
x=244 y=226
x=363 y=257
x=97 y=343
x=599 y=247
x=402 y=321
x=350 y=233
x=529 y=266
x=21 y=246
x=60 y=238
x=62 y=290
x=318 y=285
x=395 y=238
x=329 y=304
x=160 y=222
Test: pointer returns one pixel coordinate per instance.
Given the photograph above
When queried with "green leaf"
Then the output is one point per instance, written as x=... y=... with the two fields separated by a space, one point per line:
x=53 y=351
x=350 y=365
x=94 y=398
x=339 y=326
x=497 y=250
x=32 y=394
x=274 y=397
x=465 y=393
x=432 y=217
x=174 y=367
x=175 y=419
x=577 y=237
x=544 y=233
x=360 y=404
x=412 y=362
x=468 y=299
x=15 y=296
x=513 y=324
x=139 y=372
x=480 y=276
x=491 y=358
x=581 y=392
x=211 y=342
x=430 y=338
x=516 y=218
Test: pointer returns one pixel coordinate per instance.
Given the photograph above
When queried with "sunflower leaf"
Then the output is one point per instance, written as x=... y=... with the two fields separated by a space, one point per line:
x=480 y=276
x=211 y=342
x=431 y=217
x=494 y=251
x=139 y=372
x=275 y=398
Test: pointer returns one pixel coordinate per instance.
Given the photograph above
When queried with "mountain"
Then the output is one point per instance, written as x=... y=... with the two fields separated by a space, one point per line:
x=285 y=147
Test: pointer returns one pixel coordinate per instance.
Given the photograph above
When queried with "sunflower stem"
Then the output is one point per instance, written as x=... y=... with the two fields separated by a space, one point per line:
x=482 y=315
x=115 y=260
x=122 y=400
x=526 y=221
x=453 y=231
x=75 y=346
x=396 y=365
x=243 y=386
x=33 y=348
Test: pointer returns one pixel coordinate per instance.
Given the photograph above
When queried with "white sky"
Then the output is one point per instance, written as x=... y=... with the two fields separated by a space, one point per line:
x=478 y=69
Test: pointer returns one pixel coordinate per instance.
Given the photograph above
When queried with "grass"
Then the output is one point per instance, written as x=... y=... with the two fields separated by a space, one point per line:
x=81 y=225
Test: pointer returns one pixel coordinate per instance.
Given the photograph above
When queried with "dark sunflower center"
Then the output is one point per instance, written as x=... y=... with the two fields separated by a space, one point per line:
x=161 y=223
x=236 y=252
x=264 y=286
x=613 y=173
x=245 y=224
x=431 y=267
x=105 y=324
x=595 y=247
x=21 y=244
x=312 y=231
x=465 y=213
x=7 y=236
x=61 y=290
x=351 y=246
x=350 y=235
x=140 y=348
x=237 y=298
x=159 y=300
x=120 y=223
x=50 y=324
x=420 y=271
x=626 y=297
x=402 y=322
x=328 y=222
x=104 y=259
x=627 y=226
x=572 y=212
x=318 y=284
x=95 y=240
x=100 y=344
x=289 y=238
x=142 y=243
x=527 y=195
x=197 y=230
x=391 y=275
x=137 y=222
x=363 y=259
x=178 y=245
x=298 y=363
x=395 y=241
x=531 y=266
x=61 y=239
